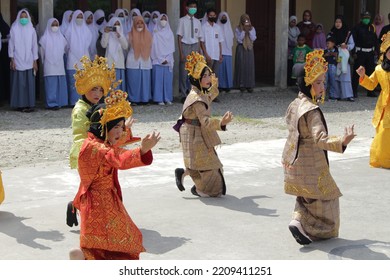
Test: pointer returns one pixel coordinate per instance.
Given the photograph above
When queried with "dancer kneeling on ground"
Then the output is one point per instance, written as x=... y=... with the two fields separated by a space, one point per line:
x=306 y=166
x=198 y=132
x=107 y=231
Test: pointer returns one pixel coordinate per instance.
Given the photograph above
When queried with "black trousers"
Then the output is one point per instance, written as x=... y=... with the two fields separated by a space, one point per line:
x=367 y=60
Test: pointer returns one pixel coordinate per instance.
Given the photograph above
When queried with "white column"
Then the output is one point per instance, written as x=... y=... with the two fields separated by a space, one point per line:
x=45 y=12
x=281 y=42
x=173 y=12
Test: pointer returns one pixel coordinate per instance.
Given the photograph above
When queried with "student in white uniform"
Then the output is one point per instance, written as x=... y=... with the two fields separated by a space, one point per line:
x=115 y=43
x=23 y=52
x=79 y=40
x=189 y=33
x=211 y=42
x=100 y=22
x=89 y=20
x=225 y=74
x=52 y=49
x=153 y=20
x=133 y=13
x=163 y=48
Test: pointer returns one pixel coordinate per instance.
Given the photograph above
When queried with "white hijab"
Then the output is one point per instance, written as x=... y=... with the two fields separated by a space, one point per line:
x=65 y=21
x=23 y=37
x=114 y=45
x=163 y=40
x=93 y=27
x=78 y=36
x=144 y=13
x=227 y=31
x=151 y=23
x=96 y=16
x=124 y=23
x=53 y=43
x=130 y=21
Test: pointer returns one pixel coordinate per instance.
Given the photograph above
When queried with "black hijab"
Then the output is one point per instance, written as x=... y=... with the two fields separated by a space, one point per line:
x=386 y=62
x=94 y=115
x=340 y=35
x=4 y=27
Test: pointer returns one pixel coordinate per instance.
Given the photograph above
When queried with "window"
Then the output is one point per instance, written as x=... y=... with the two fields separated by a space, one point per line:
x=150 y=5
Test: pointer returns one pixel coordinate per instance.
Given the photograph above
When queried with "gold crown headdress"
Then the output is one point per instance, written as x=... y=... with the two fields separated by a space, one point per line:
x=117 y=107
x=315 y=66
x=384 y=45
x=95 y=73
x=195 y=64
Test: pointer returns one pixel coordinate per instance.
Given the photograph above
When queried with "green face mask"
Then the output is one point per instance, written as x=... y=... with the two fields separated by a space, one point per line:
x=23 y=21
x=366 y=21
x=192 y=11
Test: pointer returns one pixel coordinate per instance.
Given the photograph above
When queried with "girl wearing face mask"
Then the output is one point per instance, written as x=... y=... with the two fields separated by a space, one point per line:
x=147 y=19
x=52 y=49
x=133 y=13
x=100 y=23
x=120 y=14
x=79 y=39
x=225 y=74
x=162 y=59
x=23 y=52
x=138 y=62
x=116 y=44
x=153 y=20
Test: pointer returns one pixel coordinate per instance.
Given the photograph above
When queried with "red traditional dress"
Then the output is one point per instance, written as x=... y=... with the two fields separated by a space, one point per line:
x=107 y=231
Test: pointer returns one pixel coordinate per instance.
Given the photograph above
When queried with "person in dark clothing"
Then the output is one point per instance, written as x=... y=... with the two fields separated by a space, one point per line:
x=4 y=61
x=366 y=44
x=384 y=30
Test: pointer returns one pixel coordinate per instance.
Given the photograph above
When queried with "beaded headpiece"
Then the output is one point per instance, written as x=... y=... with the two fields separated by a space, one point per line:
x=117 y=107
x=315 y=66
x=95 y=73
x=195 y=64
x=385 y=43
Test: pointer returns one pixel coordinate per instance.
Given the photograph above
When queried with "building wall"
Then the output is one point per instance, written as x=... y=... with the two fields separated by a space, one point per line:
x=323 y=12
x=384 y=9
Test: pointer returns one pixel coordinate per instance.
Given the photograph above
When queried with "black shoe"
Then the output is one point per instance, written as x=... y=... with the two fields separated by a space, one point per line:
x=372 y=94
x=194 y=192
x=299 y=236
x=250 y=90
x=179 y=178
x=216 y=100
x=242 y=89
x=182 y=100
x=71 y=215
x=227 y=90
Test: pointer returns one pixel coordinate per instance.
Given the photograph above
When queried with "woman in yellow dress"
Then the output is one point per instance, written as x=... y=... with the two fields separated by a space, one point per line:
x=380 y=148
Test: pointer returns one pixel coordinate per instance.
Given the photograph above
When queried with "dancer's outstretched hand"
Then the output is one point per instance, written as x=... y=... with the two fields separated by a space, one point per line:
x=149 y=141
x=129 y=122
x=227 y=118
x=349 y=134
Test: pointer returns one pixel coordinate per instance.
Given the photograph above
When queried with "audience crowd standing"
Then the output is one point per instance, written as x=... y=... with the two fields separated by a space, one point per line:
x=141 y=48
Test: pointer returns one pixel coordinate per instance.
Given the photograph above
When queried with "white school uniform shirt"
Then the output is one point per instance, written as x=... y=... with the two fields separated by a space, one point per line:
x=140 y=63
x=184 y=30
x=52 y=48
x=212 y=37
x=79 y=40
x=163 y=45
x=227 y=33
x=23 y=43
x=115 y=46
